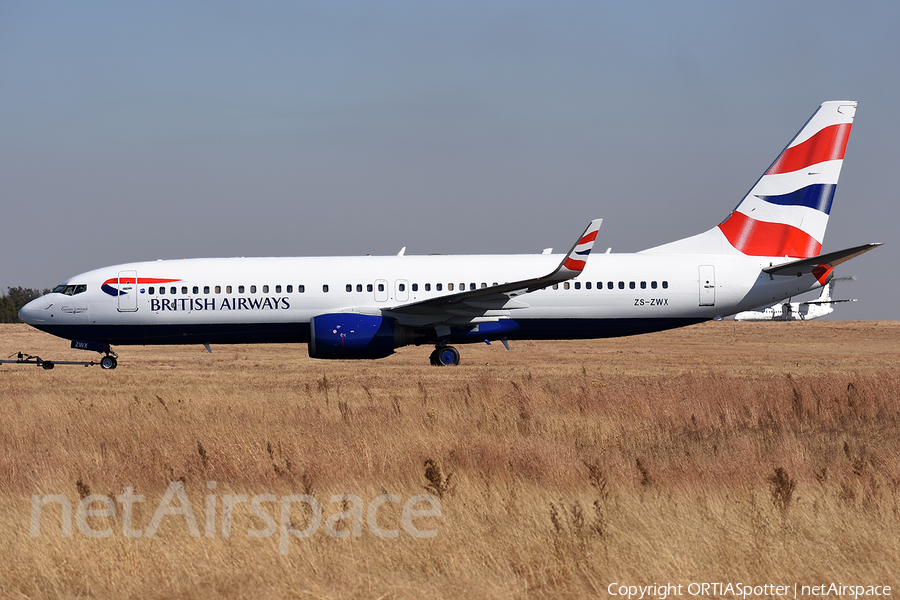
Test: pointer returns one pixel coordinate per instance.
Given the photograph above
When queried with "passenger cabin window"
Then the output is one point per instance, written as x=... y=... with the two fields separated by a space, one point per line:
x=162 y=290
x=577 y=285
x=380 y=287
x=653 y=285
x=289 y=289
x=205 y=289
x=402 y=287
x=665 y=285
x=621 y=285
x=196 y=289
x=265 y=289
x=151 y=290
x=173 y=290
x=252 y=289
x=438 y=286
x=358 y=287
x=449 y=287
x=415 y=287
x=631 y=285
x=227 y=289
x=218 y=289
x=587 y=285
x=566 y=285
x=325 y=288
x=369 y=287
x=301 y=288
x=643 y=285
x=349 y=287
x=240 y=289
x=427 y=287
x=277 y=289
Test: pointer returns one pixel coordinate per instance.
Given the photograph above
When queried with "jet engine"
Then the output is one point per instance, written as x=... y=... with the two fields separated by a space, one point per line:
x=351 y=335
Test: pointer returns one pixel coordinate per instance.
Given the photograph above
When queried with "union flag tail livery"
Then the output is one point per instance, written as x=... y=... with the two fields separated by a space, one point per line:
x=786 y=212
x=765 y=252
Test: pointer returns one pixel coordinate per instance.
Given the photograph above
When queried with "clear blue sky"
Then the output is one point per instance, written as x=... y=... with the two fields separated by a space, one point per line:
x=134 y=131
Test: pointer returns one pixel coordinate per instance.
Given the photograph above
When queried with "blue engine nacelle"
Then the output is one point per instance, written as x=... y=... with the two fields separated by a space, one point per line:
x=350 y=335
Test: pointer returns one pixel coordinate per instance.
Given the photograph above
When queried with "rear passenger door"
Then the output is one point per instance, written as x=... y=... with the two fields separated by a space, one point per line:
x=707 y=285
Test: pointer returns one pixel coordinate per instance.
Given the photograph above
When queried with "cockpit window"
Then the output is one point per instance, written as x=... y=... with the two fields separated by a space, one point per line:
x=70 y=289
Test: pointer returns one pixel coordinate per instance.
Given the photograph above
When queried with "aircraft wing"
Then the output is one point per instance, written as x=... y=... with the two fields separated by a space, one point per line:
x=807 y=265
x=494 y=302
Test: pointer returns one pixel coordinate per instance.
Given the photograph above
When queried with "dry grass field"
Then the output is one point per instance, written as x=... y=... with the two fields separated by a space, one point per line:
x=754 y=453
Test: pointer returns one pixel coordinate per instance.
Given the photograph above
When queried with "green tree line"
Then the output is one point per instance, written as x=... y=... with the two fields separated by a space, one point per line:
x=16 y=298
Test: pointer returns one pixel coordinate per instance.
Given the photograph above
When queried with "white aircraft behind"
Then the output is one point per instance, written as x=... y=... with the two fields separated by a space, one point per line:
x=766 y=250
x=795 y=311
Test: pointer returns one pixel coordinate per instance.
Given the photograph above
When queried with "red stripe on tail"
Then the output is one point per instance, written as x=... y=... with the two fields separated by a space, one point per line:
x=760 y=238
x=828 y=144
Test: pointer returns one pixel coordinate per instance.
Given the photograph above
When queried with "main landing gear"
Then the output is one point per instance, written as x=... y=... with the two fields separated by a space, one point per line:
x=445 y=356
x=109 y=362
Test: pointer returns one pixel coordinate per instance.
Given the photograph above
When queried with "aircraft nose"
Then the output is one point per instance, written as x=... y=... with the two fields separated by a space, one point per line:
x=36 y=311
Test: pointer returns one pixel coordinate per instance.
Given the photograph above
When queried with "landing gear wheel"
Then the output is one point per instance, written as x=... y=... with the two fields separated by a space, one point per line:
x=47 y=365
x=108 y=362
x=444 y=356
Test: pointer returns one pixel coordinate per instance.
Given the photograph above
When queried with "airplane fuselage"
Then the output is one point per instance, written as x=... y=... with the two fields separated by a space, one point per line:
x=259 y=300
x=767 y=250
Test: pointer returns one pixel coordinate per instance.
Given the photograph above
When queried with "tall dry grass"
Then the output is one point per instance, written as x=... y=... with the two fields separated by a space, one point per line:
x=754 y=453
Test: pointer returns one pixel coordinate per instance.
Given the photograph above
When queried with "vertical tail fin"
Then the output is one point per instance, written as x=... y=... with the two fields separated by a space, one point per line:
x=786 y=212
x=827 y=290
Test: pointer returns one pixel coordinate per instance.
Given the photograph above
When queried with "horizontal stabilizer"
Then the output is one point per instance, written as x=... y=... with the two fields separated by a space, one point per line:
x=827 y=301
x=832 y=259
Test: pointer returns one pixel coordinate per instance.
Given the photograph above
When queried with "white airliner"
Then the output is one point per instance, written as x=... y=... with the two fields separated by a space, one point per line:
x=796 y=311
x=766 y=250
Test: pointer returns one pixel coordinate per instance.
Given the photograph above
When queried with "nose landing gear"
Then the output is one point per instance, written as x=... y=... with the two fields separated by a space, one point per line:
x=109 y=360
